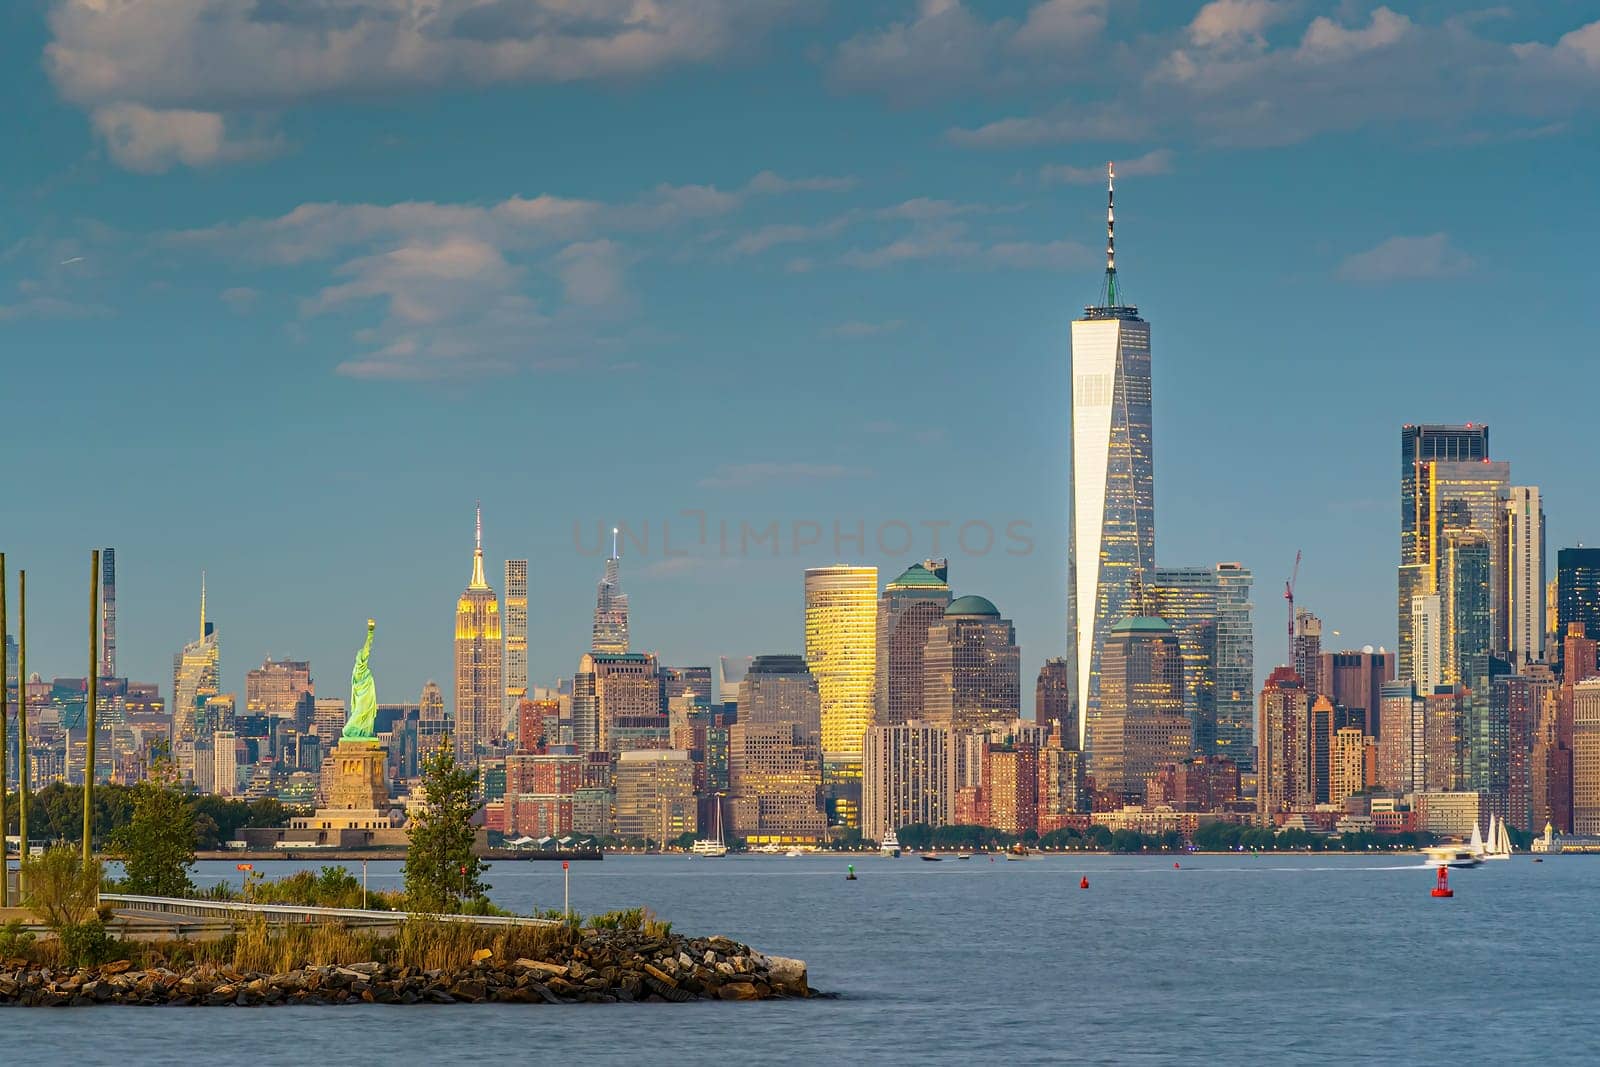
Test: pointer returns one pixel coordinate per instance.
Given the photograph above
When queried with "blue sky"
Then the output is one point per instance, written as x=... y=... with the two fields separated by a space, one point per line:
x=285 y=287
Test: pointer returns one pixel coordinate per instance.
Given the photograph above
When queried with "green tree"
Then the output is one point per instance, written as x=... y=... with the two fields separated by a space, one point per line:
x=441 y=871
x=156 y=846
x=65 y=893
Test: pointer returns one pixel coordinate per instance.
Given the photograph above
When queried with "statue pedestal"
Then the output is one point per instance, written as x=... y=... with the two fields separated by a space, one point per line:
x=360 y=779
x=358 y=799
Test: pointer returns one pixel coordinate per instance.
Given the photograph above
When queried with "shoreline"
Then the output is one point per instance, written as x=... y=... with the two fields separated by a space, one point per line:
x=597 y=967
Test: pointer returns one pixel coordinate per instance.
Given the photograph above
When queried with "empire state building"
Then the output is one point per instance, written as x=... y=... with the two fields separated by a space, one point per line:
x=1111 y=550
x=479 y=717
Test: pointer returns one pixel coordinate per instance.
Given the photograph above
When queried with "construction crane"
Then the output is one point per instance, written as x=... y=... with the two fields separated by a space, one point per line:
x=1288 y=594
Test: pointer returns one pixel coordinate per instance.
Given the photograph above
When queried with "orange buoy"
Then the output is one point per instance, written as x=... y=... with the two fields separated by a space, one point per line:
x=1441 y=888
x=1083 y=883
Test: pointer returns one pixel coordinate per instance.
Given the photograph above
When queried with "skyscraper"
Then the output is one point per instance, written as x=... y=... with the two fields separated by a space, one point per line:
x=277 y=687
x=616 y=703
x=1282 y=765
x=433 y=721
x=841 y=649
x=1054 y=706
x=1355 y=682
x=196 y=677
x=611 y=605
x=1112 y=493
x=516 y=636
x=1525 y=578
x=1142 y=724
x=108 y=613
x=781 y=689
x=909 y=605
x=972 y=667
x=1307 y=646
x=1467 y=610
x=1209 y=610
x=1578 y=590
x=905 y=778
x=1420 y=446
x=480 y=692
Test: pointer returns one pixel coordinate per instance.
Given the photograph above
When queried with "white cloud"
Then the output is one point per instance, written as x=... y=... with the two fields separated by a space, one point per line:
x=1158 y=161
x=946 y=48
x=240 y=299
x=591 y=272
x=1400 y=258
x=768 y=182
x=1232 y=23
x=1081 y=124
x=185 y=59
x=1326 y=39
x=152 y=141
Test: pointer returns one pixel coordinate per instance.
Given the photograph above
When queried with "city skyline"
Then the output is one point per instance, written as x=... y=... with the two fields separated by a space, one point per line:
x=899 y=267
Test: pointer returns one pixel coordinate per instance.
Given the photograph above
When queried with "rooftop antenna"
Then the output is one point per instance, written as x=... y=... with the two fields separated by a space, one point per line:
x=202 y=605
x=478 y=536
x=1111 y=234
x=616 y=551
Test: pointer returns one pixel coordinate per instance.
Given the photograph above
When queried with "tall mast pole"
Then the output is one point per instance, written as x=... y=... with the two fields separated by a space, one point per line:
x=89 y=717
x=5 y=726
x=22 y=732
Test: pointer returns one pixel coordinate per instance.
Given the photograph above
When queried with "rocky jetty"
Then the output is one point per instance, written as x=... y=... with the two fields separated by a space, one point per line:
x=605 y=968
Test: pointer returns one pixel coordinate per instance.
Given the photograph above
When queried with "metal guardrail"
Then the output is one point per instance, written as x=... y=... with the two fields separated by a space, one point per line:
x=294 y=913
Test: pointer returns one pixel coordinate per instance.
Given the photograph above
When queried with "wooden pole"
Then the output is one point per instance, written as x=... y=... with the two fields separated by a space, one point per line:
x=22 y=733
x=5 y=726
x=89 y=716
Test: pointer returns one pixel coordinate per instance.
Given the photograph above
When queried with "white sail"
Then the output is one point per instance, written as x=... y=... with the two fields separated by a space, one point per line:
x=1476 y=844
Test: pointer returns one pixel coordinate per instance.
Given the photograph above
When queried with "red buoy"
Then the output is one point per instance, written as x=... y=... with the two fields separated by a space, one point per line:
x=1083 y=883
x=1174 y=866
x=1442 y=888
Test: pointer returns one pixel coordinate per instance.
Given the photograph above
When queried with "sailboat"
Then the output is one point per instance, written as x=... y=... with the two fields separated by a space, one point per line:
x=1499 y=844
x=712 y=846
x=1475 y=846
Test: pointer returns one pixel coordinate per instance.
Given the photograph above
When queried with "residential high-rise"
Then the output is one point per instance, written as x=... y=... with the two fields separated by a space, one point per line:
x=1427 y=637
x=515 y=656
x=775 y=776
x=1467 y=599
x=480 y=685
x=841 y=650
x=616 y=703
x=611 y=605
x=908 y=606
x=905 y=778
x=1355 y=682
x=972 y=667
x=1112 y=544
x=1400 y=750
x=781 y=689
x=108 y=613
x=1307 y=647
x=1419 y=447
x=278 y=687
x=1055 y=704
x=1142 y=724
x=1525 y=576
x=1578 y=590
x=1209 y=610
x=655 y=795
x=1281 y=765
x=1519 y=699
x=1349 y=764
x=196 y=676
x=1586 y=757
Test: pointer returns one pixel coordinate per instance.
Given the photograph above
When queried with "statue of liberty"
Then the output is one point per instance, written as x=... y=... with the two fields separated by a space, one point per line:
x=363 y=695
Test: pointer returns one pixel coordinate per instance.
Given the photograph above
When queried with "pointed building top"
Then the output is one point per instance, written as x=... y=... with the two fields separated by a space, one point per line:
x=616 y=548
x=202 y=605
x=1111 y=304
x=478 y=580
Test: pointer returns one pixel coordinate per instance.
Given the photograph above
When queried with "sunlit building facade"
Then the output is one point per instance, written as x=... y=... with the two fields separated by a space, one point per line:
x=1525 y=579
x=1142 y=725
x=841 y=650
x=972 y=666
x=1420 y=447
x=480 y=685
x=1282 y=766
x=1209 y=611
x=515 y=628
x=906 y=777
x=196 y=677
x=1112 y=494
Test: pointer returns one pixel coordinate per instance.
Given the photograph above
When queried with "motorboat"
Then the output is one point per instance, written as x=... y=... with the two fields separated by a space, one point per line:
x=1457 y=856
x=932 y=857
x=890 y=845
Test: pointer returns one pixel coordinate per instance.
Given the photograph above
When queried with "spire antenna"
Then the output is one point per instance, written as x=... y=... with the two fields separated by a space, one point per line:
x=202 y=605
x=1111 y=234
x=478 y=537
x=615 y=548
